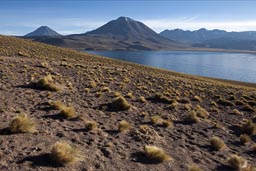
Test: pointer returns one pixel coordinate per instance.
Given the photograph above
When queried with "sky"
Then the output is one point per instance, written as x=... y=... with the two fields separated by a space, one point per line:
x=19 y=17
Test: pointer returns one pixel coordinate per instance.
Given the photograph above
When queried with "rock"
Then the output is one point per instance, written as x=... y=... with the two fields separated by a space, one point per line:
x=106 y=152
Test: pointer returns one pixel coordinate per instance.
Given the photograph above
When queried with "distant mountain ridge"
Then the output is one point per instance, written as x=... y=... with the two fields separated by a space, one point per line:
x=125 y=33
x=245 y=40
x=121 y=34
x=43 y=31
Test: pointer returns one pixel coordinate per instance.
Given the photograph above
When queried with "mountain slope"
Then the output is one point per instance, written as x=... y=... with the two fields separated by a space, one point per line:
x=121 y=34
x=89 y=84
x=43 y=31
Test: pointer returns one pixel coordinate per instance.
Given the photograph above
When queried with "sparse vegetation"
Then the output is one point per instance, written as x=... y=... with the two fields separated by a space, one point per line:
x=47 y=83
x=68 y=112
x=201 y=112
x=249 y=127
x=156 y=120
x=94 y=127
x=194 y=167
x=123 y=126
x=156 y=154
x=63 y=153
x=237 y=162
x=225 y=102
x=217 y=143
x=90 y=125
x=192 y=117
x=120 y=103
x=244 y=138
x=22 y=124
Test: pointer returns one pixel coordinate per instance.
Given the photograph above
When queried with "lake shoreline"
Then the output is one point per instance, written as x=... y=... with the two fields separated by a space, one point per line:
x=216 y=65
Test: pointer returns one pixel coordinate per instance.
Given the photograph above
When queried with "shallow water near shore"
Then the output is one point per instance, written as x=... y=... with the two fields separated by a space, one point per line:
x=232 y=66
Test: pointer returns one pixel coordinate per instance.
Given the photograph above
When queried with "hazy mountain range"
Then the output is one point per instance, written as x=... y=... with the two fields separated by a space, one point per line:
x=214 y=38
x=127 y=34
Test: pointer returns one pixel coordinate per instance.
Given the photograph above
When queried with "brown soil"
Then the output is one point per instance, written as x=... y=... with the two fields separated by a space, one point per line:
x=23 y=63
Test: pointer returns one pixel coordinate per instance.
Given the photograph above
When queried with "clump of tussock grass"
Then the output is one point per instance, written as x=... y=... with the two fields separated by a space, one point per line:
x=124 y=126
x=106 y=89
x=58 y=105
x=130 y=95
x=91 y=125
x=68 y=112
x=167 y=123
x=65 y=111
x=201 y=112
x=192 y=117
x=248 y=108
x=92 y=84
x=156 y=120
x=197 y=98
x=22 y=124
x=162 y=99
x=236 y=112
x=174 y=105
x=225 y=102
x=194 y=167
x=142 y=99
x=87 y=90
x=119 y=103
x=254 y=148
x=217 y=143
x=47 y=83
x=237 y=162
x=63 y=153
x=184 y=100
x=156 y=154
x=244 y=138
x=248 y=127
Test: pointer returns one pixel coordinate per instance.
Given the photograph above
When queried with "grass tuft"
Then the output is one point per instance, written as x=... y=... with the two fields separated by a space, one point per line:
x=47 y=83
x=237 y=162
x=123 y=126
x=120 y=103
x=90 y=125
x=156 y=154
x=192 y=117
x=194 y=167
x=22 y=124
x=249 y=127
x=244 y=138
x=63 y=153
x=217 y=143
x=68 y=112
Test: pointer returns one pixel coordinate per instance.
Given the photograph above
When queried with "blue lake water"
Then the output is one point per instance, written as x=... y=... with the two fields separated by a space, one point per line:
x=232 y=66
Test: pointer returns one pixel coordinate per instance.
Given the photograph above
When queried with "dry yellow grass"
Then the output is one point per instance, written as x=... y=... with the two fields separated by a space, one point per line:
x=217 y=143
x=120 y=103
x=90 y=125
x=56 y=105
x=237 y=162
x=244 y=138
x=156 y=154
x=249 y=127
x=192 y=117
x=47 y=83
x=194 y=167
x=22 y=124
x=63 y=153
x=123 y=126
x=68 y=112
x=156 y=120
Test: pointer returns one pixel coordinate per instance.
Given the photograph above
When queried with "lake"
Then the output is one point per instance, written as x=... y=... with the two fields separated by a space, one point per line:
x=232 y=66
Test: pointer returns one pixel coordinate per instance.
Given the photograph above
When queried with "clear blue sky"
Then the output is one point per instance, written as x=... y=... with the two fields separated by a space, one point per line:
x=18 y=17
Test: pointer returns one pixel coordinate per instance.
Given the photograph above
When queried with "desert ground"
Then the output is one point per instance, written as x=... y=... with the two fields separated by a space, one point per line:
x=117 y=115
